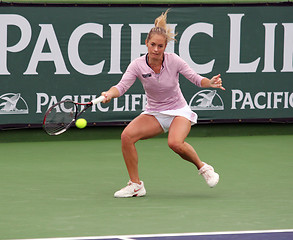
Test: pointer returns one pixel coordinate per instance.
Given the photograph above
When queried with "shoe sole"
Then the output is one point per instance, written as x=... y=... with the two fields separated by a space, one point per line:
x=138 y=194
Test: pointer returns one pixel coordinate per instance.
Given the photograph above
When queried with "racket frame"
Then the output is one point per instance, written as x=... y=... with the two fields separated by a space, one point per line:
x=77 y=113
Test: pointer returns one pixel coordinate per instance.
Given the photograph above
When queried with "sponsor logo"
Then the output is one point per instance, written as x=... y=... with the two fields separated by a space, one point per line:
x=129 y=102
x=261 y=100
x=136 y=190
x=13 y=103
x=206 y=100
x=146 y=75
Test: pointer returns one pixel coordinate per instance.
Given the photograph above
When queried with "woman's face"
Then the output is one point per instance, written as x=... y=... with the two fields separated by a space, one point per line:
x=156 y=46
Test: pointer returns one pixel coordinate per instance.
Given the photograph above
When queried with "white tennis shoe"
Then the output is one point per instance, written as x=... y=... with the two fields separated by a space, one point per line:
x=211 y=177
x=131 y=190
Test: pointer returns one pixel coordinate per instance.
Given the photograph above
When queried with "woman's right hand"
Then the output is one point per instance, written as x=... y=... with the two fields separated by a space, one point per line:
x=107 y=96
x=111 y=93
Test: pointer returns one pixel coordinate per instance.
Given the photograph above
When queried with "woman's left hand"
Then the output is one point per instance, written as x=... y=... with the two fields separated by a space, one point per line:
x=216 y=82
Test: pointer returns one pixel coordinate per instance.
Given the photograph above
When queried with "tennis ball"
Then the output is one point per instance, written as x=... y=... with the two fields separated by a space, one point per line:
x=81 y=123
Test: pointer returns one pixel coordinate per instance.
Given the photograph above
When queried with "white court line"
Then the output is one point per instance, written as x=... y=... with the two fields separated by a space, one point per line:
x=132 y=237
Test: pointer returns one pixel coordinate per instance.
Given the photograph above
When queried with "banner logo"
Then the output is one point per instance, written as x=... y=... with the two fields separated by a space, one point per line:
x=206 y=100
x=13 y=103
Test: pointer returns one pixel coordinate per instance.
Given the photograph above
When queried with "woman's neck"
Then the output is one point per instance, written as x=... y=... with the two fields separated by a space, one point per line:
x=155 y=63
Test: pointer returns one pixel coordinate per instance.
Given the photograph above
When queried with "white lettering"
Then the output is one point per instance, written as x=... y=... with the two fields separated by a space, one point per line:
x=286 y=99
x=269 y=99
x=115 y=48
x=94 y=105
x=47 y=34
x=84 y=99
x=126 y=102
x=116 y=108
x=256 y=101
x=291 y=100
x=53 y=101
x=106 y=109
x=269 y=47
x=73 y=53
x=277 y=98
x=144 y=102
x=288 y=48
x=41 y=103
x=247 y=101
x=138 y=46
x=237 y=96
x=135 y=100
x=25 y=37
x=185 y=43
x=64 y=98
x=234 y=61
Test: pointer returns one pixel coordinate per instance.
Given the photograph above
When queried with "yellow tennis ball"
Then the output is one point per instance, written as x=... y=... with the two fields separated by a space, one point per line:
x=81 y=123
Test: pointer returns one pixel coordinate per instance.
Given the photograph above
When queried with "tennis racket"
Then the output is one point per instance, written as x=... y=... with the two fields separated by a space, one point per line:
x=62 y=115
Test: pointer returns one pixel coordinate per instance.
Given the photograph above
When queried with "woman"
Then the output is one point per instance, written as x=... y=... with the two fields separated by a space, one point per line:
x=166 y=109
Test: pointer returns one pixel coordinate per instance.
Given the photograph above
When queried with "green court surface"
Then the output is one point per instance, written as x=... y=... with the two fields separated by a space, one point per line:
x=63 y=186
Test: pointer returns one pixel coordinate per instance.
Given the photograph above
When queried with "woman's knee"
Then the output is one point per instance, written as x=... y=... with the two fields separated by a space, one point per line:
x=126 y=137
x=175 y=146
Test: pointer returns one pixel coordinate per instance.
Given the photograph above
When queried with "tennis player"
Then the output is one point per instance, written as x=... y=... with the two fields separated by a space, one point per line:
x=166 y=109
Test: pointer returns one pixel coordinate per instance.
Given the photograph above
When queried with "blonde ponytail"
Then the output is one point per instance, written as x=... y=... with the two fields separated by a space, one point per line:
x=162 y=28
x=161 y=21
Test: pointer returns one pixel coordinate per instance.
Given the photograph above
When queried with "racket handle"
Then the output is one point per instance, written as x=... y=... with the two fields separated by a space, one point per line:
x=97 y=100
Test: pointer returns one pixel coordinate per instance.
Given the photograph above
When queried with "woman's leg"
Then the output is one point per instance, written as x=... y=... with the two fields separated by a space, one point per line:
x=142 y=127
x=178 y=131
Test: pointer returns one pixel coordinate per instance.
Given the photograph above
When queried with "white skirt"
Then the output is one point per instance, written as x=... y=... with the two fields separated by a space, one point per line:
x=165 y=118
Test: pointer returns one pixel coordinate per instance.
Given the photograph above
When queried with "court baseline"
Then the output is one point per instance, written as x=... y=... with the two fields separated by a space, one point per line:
x=284 y=234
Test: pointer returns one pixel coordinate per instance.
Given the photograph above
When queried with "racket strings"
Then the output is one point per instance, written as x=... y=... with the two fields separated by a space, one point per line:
x=60 y=117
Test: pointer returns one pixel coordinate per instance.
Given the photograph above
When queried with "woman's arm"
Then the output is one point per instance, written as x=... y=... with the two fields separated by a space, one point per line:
x=215 y=82
x=124 y=84
x=111 y=93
